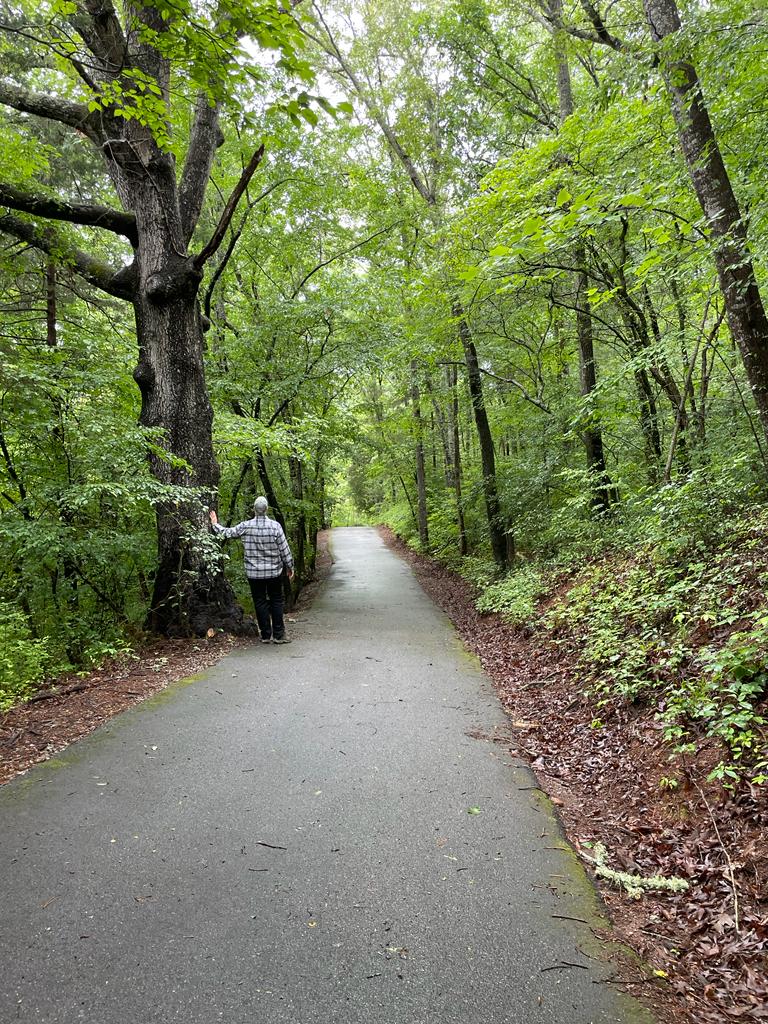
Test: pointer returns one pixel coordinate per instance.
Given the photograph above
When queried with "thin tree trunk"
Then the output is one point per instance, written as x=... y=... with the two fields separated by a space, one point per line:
x=449 y=433
x=438 y=415
x=669 y=384
x=591 y=435
x=502 y=546
x=649 y=424
x=269 y=491
x=421 y=478
x=68 y=564
x=453 y=380
x=299 y=531
x=50 y=304
x=244 y=470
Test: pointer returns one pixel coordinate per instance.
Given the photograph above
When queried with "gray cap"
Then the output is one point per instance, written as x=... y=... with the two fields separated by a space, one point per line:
x=260 y=506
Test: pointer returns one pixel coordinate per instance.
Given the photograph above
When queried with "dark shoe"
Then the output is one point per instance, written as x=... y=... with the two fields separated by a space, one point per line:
x=281 y=640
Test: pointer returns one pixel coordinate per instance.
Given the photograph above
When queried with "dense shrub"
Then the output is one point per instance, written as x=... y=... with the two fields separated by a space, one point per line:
x=23 y=659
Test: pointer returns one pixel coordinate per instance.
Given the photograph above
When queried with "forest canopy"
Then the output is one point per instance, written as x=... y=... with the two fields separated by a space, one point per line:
x=494 y=273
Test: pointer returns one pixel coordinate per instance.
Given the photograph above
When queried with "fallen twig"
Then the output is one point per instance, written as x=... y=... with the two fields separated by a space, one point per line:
x=731 y=875
x=634 y=885
x=563 y=965
x=58 y=692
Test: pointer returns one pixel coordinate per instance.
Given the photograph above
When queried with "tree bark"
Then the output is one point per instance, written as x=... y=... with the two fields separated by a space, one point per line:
x=453 y=378
x=190 y=594
x=591 y=435
x=421 y=477
x=299 y=519
x=743 y=303
x=502 y=545
x=649 y=424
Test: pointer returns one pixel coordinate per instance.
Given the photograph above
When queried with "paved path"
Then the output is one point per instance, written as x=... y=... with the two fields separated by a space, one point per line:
x=287 y=841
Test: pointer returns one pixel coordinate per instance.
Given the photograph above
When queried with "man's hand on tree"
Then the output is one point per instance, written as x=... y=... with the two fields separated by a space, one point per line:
x=214 y=517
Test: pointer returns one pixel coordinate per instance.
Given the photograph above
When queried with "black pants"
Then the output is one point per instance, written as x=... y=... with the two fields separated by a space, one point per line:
x=268 y=602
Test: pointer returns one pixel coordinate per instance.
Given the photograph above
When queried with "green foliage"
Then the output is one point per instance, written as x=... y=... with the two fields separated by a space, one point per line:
x=729 y=699
x=399 y=518
x=341 y=308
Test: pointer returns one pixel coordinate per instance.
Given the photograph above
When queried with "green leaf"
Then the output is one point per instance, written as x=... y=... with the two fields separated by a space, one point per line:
x=533 y=226
x=468 y=274
x=633 y=199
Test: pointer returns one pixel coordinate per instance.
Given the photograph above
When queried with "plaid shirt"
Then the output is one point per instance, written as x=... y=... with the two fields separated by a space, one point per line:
x=266 y=549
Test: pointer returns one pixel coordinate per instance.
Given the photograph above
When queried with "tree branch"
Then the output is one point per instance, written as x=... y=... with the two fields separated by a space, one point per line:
x=102 y=33
x=205 y=139
x=94 y=271
x=233 y=242
x=338 y=256
x=220 y=269
x=602 y=33
x=228 y=212
x=508 y=380
x=14 y=477
x=76 y=115
x=87 y=214
x=392 y=140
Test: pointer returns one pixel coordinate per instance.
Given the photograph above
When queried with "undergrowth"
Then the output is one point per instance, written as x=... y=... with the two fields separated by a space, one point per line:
x=687 y=634
x=678 y=623
x=26 y=661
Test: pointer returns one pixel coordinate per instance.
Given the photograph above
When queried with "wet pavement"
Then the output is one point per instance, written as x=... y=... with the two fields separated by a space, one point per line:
x=320 y=832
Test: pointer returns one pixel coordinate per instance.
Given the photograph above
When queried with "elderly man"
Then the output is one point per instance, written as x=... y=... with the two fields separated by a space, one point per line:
x=266 y=556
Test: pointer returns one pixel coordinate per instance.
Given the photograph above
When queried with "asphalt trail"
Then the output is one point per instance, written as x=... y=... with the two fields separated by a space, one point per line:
x=288 y=840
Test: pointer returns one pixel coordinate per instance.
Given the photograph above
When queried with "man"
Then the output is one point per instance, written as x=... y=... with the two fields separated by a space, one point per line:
x=266 y=556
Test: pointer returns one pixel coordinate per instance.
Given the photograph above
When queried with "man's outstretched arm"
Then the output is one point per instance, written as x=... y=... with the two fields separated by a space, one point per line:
x=226 y=532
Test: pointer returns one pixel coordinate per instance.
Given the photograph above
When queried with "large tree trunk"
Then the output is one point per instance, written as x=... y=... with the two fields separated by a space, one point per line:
x=191 y=592
x=744 y=307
